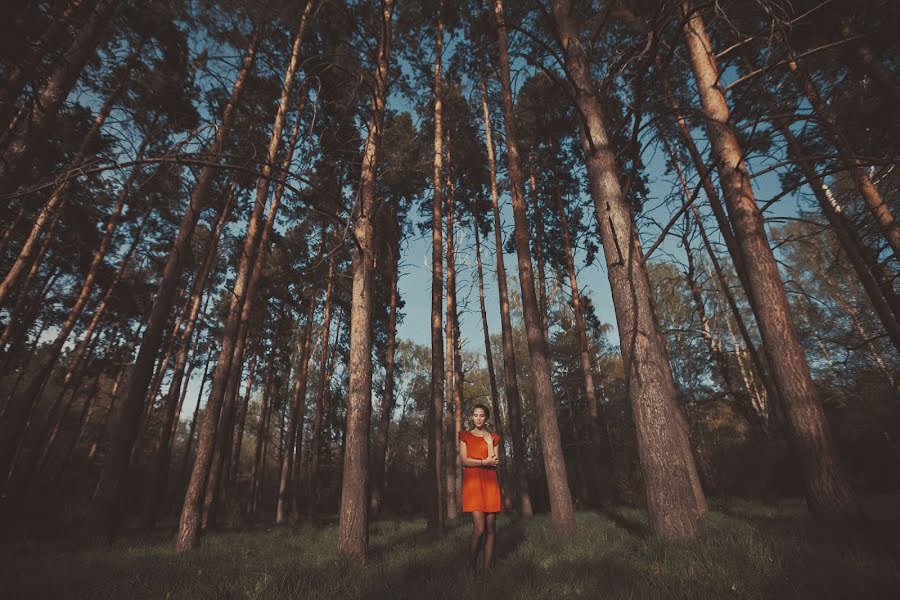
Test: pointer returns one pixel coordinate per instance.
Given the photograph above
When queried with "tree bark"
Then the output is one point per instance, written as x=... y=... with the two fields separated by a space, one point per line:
x=561 y=510
x=31 y=130
x=127 y=418
x=286 y=486
x=488 y=353
x=675 y=500
x=159 y=469
x=510 y=383
x=353 y=530
x=828 y=492
x=436 y=408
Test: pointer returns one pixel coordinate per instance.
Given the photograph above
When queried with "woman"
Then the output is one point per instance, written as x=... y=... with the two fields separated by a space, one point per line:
x=480 y=488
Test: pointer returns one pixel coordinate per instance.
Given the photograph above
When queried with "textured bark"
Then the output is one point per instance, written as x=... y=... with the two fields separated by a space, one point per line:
x=379 y=453
x=453 y=360
x=60 y=196
x=127 y=418
x=159 y=469
x=510 y=383
x=233 y=342
x=561 y=510
x=353 y=529
x=436 y=408
x=675 y=500
x=828 y=492
x=31 y=128
x=185 y=460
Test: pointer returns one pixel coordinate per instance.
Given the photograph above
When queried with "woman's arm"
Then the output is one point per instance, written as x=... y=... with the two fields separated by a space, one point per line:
x=471 y=462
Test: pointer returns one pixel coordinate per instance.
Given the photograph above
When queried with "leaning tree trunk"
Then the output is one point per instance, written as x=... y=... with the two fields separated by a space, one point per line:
x=561 y=509
x=232 y=346
x=510 y=383
x=844 y=232
x=159 y=469
x=30 y=131
x=675 y=500
x=873 y=198
x=287 y=491
x=539 y=254
x=60 y=196
x=684 y=132
x=436 y=408
x=828 y=491
x=353 y=530
x=18 y=75
x=128 y=414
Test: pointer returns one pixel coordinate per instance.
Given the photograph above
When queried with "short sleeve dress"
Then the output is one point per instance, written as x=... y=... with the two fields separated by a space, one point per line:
x=480 y=487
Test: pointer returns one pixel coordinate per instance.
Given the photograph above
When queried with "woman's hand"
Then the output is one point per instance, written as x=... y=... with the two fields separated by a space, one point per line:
x=491 y=461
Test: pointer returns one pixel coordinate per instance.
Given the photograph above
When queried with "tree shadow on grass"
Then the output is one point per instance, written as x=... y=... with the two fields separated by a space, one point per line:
x=633 y=526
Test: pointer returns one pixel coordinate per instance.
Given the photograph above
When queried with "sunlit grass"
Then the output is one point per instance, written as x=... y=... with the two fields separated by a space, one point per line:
x=747 y=550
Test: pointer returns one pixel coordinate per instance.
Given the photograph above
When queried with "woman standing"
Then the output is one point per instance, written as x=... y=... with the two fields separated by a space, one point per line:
x=480 y=488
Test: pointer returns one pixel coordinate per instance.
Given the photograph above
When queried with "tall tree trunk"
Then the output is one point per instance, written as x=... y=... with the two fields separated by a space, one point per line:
x=510 y=383
x=827 y=490
x=159 y=469
x=19 y=73
x=539 y=255
x=30 y=133
x=60 y=196
x=189 y=528
x=300 y=404
x=323 y=391
x=286 y=486
x=185 y=460
x=127 y=418
x=353 y=531
x=436 y=408
x=262 y=428
x=561 y=509
x=675 y=500
x=379 y=453
x=453 y=373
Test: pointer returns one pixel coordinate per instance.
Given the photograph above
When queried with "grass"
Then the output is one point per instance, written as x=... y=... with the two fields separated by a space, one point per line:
x=747 y=550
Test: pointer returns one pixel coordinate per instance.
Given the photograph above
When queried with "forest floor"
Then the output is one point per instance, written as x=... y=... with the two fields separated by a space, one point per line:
x=747 y=550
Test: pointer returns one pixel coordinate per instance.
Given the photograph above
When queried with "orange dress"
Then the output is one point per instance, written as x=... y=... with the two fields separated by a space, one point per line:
x=480 y=487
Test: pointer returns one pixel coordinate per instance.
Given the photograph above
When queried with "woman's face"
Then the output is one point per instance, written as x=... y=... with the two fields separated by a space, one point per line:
x=478 y=417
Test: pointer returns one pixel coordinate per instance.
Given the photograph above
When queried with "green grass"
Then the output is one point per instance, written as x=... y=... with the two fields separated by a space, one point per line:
x=747 y=550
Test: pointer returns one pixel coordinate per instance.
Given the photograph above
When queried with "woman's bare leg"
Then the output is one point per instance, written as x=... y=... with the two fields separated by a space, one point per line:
x=489 y=535
x=475 y=540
